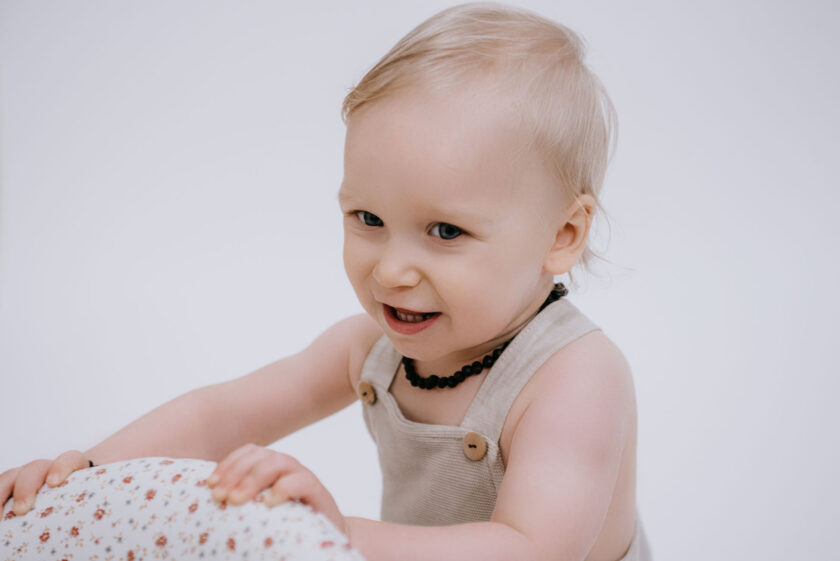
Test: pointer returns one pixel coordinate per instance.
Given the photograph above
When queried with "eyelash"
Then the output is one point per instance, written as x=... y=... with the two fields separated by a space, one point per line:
x=362 y=214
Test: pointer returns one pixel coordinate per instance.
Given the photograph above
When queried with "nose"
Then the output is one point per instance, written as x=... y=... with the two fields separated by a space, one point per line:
x=396 y=267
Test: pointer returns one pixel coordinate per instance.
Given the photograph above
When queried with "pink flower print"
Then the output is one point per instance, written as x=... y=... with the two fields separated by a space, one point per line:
x=202 y=538
x=193 y=507
x=99 y=513
x=74 y=531
x=161 y=541
x=231 y=544
x=9 y=515
x=176 y=477
x=268 y=542
x=46 y=512
x=101 y=471
x=166 y=462
x=130 y=555
x=45 y=536
x=81 y=497
x=128 y=479
x=327 y=544
x=150 y=494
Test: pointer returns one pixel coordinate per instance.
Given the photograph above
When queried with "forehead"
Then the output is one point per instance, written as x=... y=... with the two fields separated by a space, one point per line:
x=451 y=144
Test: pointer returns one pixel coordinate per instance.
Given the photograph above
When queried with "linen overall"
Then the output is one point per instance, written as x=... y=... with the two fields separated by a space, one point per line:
x=436 y=475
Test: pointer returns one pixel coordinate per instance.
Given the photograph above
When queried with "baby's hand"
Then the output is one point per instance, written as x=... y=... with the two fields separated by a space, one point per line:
x=248 y=470
x=25 y=481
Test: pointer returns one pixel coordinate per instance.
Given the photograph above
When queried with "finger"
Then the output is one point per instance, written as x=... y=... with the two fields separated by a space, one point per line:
x=301 y=485
x=64 y=465
x=7 y=483
x=29 y=480
x=221 y=469
x=234 y=473
x=262 y=474
x=305 y=487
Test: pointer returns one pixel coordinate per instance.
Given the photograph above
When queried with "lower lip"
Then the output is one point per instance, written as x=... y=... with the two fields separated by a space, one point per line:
x=404 y=327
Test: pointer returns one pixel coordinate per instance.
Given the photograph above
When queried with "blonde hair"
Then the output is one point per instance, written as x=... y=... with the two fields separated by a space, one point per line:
x=562 y=103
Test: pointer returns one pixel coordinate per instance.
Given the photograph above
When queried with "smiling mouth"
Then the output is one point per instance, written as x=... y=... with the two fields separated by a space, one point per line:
x=410 y=316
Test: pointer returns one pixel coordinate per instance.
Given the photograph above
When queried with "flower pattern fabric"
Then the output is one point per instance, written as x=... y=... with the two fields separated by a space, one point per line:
x=161 y=508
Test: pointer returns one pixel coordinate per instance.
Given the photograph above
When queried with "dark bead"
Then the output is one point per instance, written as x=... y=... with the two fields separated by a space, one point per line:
x=409 y=366
x=435 y=381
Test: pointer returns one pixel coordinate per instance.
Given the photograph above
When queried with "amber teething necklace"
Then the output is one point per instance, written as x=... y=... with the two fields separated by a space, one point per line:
x=433 y=381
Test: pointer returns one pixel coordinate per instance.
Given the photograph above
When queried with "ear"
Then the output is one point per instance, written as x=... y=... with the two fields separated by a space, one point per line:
x=570 y=239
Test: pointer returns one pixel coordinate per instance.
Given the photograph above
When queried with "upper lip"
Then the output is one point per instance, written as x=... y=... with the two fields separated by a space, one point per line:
x=407 y=310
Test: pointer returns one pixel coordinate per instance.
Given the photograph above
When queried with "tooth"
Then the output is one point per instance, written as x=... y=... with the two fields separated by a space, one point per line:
x=413 y=318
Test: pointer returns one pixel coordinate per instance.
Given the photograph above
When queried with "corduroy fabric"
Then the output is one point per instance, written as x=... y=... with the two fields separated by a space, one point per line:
x=426 y=478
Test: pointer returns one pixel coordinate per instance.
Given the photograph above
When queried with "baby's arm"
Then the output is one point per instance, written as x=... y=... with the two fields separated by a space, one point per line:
x=563 y=464
x=260 y=407
x=209 y=422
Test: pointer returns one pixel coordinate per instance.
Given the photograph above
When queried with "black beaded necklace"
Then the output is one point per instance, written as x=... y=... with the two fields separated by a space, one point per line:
x=433 y=381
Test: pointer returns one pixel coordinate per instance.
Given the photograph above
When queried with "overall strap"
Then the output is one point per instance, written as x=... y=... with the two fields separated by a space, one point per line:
x=381 y=363
x=556 y=326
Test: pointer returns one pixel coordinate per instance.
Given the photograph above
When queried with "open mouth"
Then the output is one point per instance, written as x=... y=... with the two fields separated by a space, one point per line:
x=409 y=316
x=408 y=322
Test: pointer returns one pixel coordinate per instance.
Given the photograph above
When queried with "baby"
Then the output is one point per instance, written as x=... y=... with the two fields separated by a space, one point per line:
x=504 y=418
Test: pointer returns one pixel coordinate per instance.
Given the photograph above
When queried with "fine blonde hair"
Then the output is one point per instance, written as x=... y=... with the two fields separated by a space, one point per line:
x=564 y=106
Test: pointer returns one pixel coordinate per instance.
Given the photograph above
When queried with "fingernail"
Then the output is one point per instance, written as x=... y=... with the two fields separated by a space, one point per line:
x=274 y=500
x=237 y=496
x=213 y=479
x=219 y=493
x=52 y=479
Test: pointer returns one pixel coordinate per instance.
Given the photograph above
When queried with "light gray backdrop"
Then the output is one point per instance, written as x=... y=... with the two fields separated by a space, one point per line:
x=168 y=220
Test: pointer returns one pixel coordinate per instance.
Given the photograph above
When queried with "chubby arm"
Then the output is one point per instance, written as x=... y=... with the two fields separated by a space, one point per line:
x=260 y=407
x=562 y=468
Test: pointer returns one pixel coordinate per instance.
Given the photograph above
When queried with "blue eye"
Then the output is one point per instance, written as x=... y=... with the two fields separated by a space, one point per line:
x=446 y=231
x=369 y=218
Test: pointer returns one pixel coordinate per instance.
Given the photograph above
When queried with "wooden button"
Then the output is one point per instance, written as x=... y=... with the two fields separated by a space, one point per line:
x=474 y=446
x=367 y=393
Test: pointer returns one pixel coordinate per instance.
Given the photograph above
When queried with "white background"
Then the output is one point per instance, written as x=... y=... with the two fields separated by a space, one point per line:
x=168 y=173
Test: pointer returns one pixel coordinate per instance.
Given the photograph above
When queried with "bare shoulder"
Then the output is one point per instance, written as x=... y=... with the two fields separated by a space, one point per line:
x=589 y=375
x=358 y=334
x=591 y=359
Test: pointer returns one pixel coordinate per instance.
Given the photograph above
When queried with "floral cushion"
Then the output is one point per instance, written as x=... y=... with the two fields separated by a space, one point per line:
x=161 y=508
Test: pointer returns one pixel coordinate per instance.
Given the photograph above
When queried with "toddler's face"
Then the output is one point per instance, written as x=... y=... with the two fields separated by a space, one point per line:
x=447 y=219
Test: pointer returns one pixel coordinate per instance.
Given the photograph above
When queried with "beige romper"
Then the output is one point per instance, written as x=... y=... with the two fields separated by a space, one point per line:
x=436 y=475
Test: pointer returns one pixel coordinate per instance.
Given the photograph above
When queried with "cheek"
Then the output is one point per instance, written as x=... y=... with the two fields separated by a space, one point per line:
x=359 y=260
x=353 y=253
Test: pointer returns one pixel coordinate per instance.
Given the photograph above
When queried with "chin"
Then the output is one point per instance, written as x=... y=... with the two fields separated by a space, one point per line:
x=415 y=350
